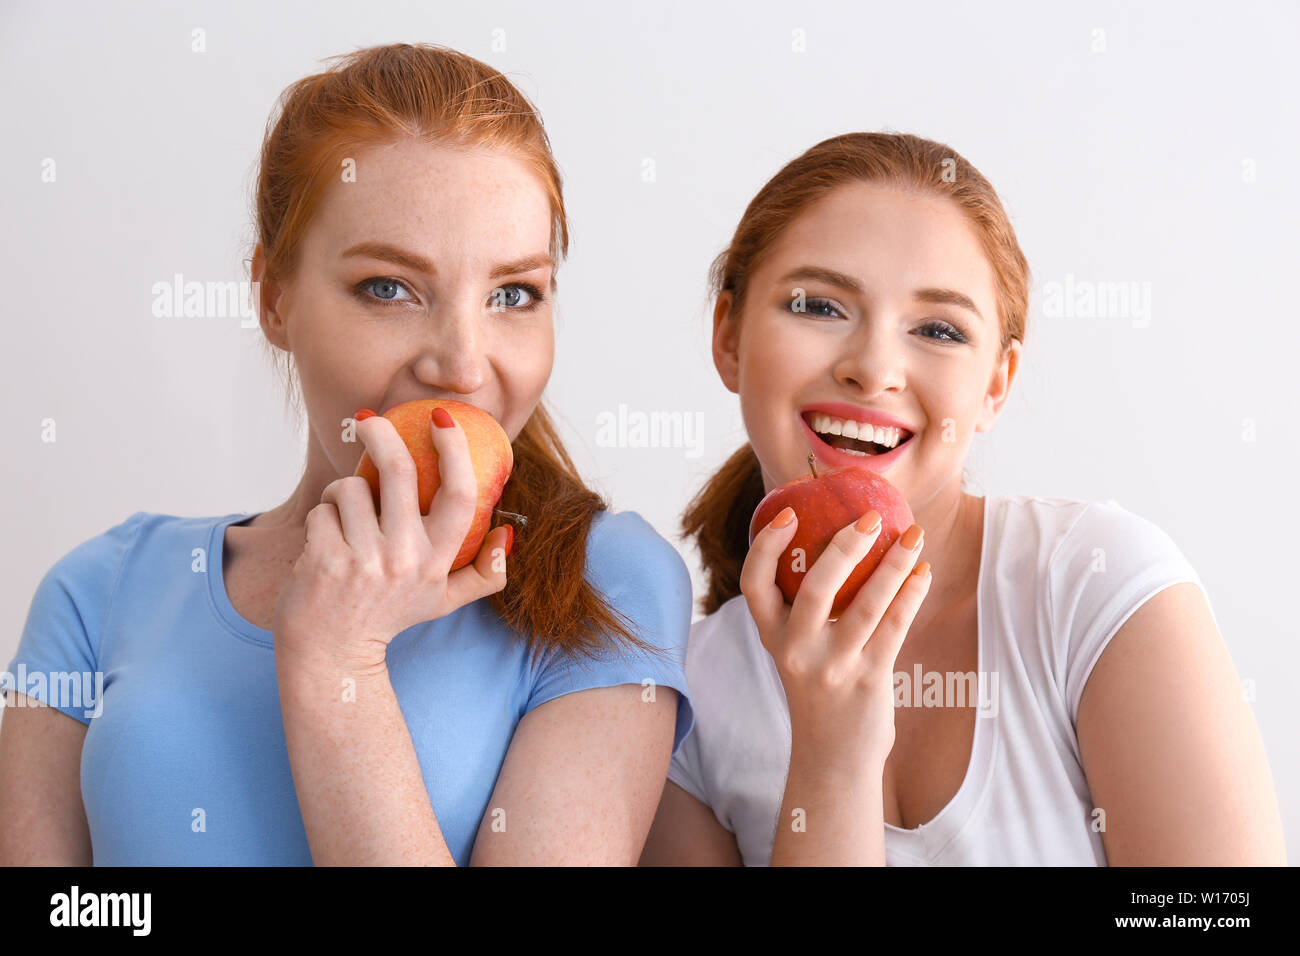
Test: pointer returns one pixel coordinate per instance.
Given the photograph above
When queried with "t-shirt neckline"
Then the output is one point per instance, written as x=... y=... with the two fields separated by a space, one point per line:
x=979 y=766
x=221 y=606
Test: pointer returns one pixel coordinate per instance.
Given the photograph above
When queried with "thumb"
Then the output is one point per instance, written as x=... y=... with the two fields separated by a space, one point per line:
x=487 y=573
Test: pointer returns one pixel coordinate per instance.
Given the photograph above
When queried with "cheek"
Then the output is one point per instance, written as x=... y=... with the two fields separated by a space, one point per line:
x=775 y=366
x=528 y=360
x=953 y=411
x=524 y=364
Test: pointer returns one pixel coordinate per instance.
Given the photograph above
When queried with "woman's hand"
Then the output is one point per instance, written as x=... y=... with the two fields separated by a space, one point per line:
x=838 y=676
x=363 y=578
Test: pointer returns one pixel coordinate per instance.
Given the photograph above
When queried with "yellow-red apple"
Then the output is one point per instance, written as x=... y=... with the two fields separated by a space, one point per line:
x=489 y=451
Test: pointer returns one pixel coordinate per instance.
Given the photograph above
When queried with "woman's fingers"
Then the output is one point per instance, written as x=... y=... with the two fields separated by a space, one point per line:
x=399 y=493
x=356 y=509
x=486 y=574
x=452 y=512
x=867 y=609
x=324 y=533
x=817 y=590
x=884 y=643
x=758 y=575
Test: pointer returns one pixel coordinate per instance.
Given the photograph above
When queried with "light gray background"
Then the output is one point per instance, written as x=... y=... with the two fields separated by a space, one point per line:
x=1169 y=158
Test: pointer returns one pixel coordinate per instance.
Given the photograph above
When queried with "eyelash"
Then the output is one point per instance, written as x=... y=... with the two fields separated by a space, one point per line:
x=360 y=292
x=954 y=334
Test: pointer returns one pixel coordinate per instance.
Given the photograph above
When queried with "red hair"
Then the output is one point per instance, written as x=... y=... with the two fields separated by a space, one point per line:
x=375 y=96
x=719 y=514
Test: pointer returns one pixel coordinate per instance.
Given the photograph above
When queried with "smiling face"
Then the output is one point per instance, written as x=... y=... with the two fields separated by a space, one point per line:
x=881 y=337
x=429 y=276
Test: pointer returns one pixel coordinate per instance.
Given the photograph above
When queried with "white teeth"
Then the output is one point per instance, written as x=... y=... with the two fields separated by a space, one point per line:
x=864 y=431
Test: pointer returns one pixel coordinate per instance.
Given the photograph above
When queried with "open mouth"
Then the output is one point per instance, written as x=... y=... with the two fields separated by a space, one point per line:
x=843 y=435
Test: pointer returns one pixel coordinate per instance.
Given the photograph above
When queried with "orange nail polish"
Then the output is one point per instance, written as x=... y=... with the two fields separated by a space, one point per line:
x=362 y=415
x=510 y=539
x=912 y=539
x=441 y=418
x=922 y=569
x=868 y=523
x=784 y=518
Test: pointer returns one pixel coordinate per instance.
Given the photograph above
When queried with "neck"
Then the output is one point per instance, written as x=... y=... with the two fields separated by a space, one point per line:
x=953 y=523
x=290 y=517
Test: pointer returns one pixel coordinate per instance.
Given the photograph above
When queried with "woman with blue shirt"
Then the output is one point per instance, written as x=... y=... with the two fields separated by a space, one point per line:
x=309 y=684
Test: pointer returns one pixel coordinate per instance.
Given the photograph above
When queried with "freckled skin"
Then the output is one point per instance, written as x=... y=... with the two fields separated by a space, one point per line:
x=466 y=211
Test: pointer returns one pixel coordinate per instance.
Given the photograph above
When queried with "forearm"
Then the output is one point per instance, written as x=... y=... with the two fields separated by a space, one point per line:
x=355 y=770
x=831 y=817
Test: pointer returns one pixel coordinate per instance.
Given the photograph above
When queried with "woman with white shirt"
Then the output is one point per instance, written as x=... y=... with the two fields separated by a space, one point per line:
x=875 y=287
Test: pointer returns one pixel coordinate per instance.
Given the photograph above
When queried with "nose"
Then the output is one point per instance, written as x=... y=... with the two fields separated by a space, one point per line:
x=452 y=356
x=871 y=359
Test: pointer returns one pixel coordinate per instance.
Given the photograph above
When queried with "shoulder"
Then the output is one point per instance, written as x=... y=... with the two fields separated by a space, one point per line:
x=642 y=578
x=626 y=555
x=1072 y=539
x=646 y=583
x=99 y=555
x=1105 y=563
x=72 y=601
x=91 y=569
x=1104 y=551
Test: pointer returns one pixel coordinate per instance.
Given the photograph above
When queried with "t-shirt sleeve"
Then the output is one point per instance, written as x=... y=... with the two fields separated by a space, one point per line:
x=646 y=581
x=58 y=653
x=1107 y=565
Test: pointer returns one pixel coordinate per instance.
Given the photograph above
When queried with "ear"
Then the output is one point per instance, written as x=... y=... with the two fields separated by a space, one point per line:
x=726 y=342
x=1004 y=374
x=268 y=295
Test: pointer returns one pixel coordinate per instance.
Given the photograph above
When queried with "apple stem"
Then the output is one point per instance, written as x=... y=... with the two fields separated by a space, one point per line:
x=812 y=463
x=510 y=514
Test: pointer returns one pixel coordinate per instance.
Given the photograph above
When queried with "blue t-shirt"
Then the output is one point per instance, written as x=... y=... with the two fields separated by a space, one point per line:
x=184 y=761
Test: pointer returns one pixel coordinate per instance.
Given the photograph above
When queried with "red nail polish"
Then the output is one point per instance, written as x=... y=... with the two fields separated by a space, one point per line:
x=510 y=539
x=441 y=418
x=362 y=415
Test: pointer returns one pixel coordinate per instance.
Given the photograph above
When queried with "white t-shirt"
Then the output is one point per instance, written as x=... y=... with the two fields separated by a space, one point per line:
x=1057 y=578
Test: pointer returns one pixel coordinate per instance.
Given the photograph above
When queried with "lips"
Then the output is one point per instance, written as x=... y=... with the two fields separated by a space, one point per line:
x=837 y=457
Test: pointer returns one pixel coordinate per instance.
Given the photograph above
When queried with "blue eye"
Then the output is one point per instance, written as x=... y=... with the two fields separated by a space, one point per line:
x=522 y=296
x=814 y=307
x=386 y=284
x=953 y=335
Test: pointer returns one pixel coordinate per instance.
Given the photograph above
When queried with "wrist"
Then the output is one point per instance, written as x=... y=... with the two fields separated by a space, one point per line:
x=317 y=656
x=836 y=766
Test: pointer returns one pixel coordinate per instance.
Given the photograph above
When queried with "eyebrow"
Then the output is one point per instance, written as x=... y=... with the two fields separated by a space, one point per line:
x=839 y=279
x=410 y=260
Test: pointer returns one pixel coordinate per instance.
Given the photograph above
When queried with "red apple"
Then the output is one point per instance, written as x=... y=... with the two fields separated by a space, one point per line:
x=824 y=502
x=489 y=451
